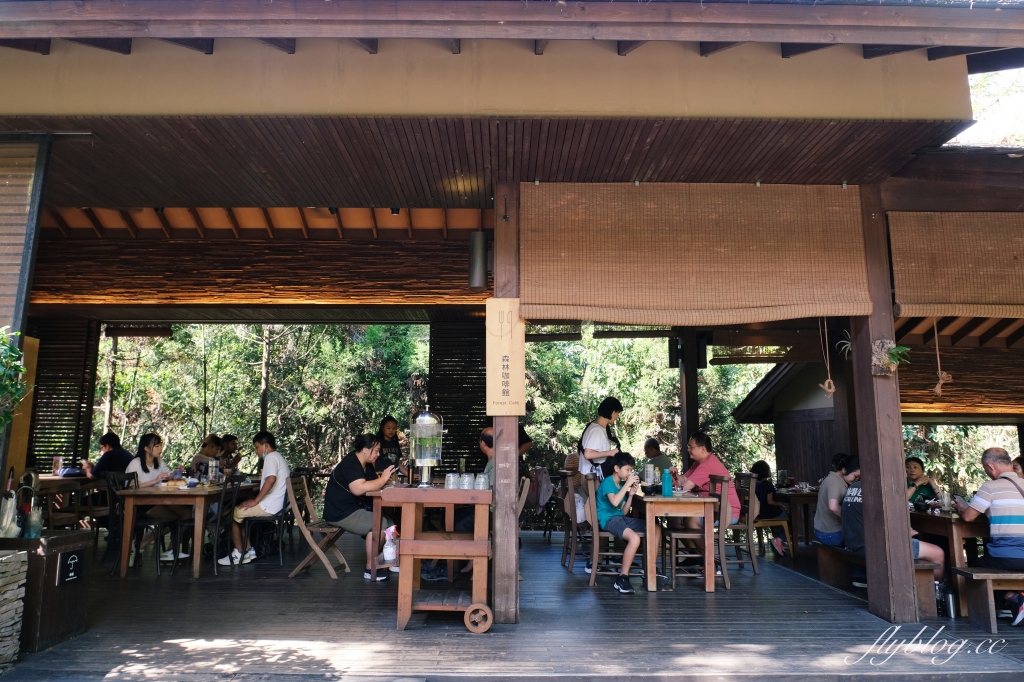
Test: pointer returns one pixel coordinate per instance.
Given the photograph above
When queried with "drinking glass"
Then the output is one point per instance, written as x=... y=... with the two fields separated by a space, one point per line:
x=451 y=482
x=481 y=482
x=467 y=481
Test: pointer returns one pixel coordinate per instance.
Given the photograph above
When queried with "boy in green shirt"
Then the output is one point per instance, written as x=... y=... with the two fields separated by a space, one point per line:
x=614 y=498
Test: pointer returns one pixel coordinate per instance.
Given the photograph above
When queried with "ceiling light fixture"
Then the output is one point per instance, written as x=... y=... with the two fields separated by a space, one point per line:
x=478 y=261
x=396 y=211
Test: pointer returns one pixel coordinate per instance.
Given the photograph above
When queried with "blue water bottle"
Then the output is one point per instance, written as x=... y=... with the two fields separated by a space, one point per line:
x=666 y=483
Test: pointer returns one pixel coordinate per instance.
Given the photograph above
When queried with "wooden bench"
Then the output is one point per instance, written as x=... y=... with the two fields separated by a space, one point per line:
x=980 y=584
x=834 y=570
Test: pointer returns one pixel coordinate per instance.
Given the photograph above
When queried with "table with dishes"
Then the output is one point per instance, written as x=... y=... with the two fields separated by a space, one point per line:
x=949 y=525
x=180 y=493
x=800 y=499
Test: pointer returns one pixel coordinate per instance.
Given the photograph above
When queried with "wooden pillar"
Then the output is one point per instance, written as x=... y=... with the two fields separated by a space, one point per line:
x=505 y=595
x=689 y=421
x=23 y=160
x=890 y=564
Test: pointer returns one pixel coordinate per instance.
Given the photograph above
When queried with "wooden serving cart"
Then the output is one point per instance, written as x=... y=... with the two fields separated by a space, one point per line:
x=417 y=545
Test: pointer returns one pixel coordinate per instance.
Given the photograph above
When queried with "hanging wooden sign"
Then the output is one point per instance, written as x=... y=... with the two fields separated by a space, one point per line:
x=506 y=358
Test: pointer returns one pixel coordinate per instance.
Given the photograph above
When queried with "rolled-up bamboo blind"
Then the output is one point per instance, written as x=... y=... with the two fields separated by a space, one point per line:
x=17 y=171
x=958 y=264
x=690 y=254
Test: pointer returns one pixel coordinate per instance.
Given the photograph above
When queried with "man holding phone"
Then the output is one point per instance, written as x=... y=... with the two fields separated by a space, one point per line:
x=614 y=499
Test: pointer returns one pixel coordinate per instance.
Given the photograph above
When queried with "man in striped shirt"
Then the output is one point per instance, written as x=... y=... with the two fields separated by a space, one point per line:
x=1002 y=499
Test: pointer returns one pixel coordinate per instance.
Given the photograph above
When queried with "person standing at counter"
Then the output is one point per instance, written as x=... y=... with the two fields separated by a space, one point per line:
x=390 y=448
x=345 y=502
x=598 y=444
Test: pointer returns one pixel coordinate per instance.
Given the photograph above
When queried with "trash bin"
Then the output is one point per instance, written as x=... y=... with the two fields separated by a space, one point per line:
x=57 y=588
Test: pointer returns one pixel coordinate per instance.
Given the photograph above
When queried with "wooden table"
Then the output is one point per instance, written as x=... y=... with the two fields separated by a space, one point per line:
x=680 y=504
x=799 y=504
x=417 y=545
x=377 y=541
x=198 y=498
x=956 y=530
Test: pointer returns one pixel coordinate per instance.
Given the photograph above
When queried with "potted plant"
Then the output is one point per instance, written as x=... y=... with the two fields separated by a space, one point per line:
x=886 y=356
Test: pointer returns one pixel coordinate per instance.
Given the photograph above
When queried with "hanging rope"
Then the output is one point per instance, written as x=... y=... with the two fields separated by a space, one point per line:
x=944 y=377
x=829 y=386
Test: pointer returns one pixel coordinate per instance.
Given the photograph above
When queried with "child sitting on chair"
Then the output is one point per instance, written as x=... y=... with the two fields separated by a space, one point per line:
x=614 y=498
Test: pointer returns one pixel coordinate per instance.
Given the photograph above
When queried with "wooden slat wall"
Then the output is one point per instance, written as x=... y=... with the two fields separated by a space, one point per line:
x=252 y=273
x=17 y=167
x=448 y=162
x=804 y=448
x=457 y=390
x=63 y=395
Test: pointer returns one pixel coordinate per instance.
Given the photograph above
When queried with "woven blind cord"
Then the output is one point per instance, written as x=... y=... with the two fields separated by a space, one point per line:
x=944 y=377
x=829 y=386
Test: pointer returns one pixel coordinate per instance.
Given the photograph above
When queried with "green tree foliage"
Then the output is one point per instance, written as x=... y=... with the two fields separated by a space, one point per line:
x=12 y=381
x=953 y=453
x=328 y=383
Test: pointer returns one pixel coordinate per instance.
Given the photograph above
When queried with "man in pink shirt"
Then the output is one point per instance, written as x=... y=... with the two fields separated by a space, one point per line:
x=696 y=479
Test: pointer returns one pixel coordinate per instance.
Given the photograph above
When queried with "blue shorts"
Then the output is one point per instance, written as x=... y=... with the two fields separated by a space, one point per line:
x=618 y=524
x=830 y=539
x=915 y=547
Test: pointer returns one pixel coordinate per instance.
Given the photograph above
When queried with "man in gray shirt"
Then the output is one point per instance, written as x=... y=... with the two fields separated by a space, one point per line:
x=828 y=524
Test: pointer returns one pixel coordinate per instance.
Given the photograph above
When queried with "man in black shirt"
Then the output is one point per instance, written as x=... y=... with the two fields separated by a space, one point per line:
x=113 y=458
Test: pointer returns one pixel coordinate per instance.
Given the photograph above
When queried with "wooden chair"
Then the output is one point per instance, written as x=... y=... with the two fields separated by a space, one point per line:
x=300 y=502
x=61 y=504
x=608 y=539
x=718 y=487
x=524 y=490
x=749 y=509
x=576 y=532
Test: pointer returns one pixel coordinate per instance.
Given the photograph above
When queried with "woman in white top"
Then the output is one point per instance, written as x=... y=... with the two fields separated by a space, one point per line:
x=151 y=471
x=598 y=445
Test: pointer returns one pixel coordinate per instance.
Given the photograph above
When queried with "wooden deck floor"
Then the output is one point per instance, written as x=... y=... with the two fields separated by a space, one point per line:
x=253 y=623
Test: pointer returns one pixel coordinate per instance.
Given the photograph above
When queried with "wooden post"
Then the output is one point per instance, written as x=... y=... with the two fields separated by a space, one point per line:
x=505 y=594
x=689 y=421
x=890 y=564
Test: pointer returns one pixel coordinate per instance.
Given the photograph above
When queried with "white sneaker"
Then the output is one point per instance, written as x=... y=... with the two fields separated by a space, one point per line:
x=249 y=555
x=393 y=569
x=234 y=558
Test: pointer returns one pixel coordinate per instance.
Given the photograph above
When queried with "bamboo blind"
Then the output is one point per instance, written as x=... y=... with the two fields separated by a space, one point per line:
x=958 y=264
x=17 y=167
x=690 y=254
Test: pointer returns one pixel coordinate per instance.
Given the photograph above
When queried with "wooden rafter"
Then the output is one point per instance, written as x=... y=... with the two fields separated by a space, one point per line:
x=794 y=49
x=875 y=51
x=626 y=46
x=234 y=221
x=965 y=331
x=994 y=331
x=942 y=325
x=709 y=48
x=1012 y=339
x=270 y=223
x=204 y=45
x=37 y=45
x=200 y=227
x=368 y=44
x=453 y=44
x=163 y=222
x=286 y=45
x=539 y=46
x=444 y=223
x=304 y=223
x=995 y=60
x=906 y=327
x=337 y=222
x=133 y=229
x=511 y=19
x=944 y=51
x=373 y=222
x=118 y=45
x=97 y=226
x=62 y=224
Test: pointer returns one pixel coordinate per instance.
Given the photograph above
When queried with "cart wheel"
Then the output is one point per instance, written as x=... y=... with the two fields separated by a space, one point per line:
x=478 y=618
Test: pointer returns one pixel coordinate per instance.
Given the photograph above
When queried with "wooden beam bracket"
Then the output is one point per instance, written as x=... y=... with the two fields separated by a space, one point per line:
x=37 y=45
x=286 y=45
x=368 y=44
x=204 y=45
x=709 y=48
x=118 y=45
x=626 y=46
x=200 y=227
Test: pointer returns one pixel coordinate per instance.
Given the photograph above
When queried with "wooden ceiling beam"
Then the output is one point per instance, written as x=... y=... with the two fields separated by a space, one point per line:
x=709 y=48
x=994 y=331
x=539 y=46
x=624 y=47
x=133 y=229
x=37 y=45
x=368 y=44
x=118 y=45
x=965 y=331
x=906 y=327
x=286 y=45
x=794 y=49
x=974 y=168
x=163 y=222
x=511 y=19
x=941 y=326
x=204 y=45
x=234 y=221
x=908 y=194
x=270 y=223
x=876 y=51
x=97 y=226
x=200 y=227
x=62 y=224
